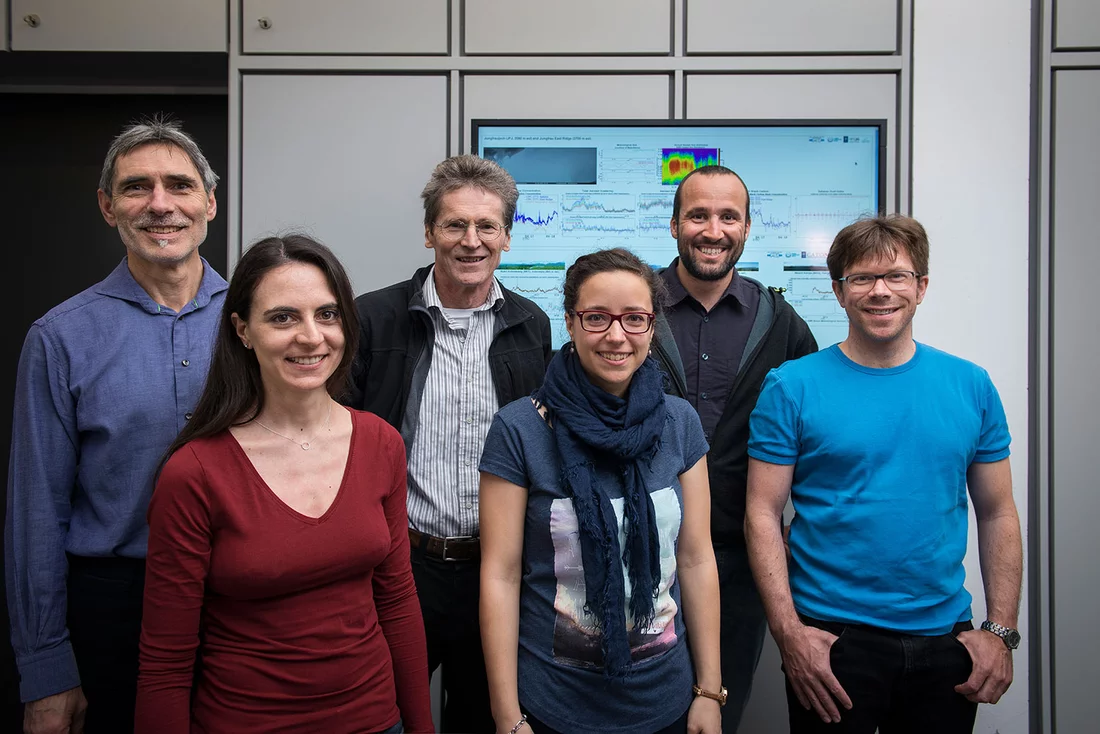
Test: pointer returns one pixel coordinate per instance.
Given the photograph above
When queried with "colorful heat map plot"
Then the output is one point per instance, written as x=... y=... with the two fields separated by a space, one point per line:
x=679 y=162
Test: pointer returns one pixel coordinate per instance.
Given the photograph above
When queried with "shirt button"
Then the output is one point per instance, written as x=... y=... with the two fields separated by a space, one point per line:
x=469 y=505
x=703 y=396
x=704 y=356
x=187 y=416
x=467 y=462
x=186 y=362
x=706 y=319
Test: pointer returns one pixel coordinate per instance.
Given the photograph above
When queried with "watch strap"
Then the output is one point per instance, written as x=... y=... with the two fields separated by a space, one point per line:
x=1010 y=636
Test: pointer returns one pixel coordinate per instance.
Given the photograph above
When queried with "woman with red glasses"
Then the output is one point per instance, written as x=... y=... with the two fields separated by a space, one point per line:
x=599 y=592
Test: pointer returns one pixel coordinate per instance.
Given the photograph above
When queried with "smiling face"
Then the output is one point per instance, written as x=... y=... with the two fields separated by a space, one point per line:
x=158 y=204
x=464 y=269
x=294 y=328
x=881 y=319
x=611 y=358
x=712 y=226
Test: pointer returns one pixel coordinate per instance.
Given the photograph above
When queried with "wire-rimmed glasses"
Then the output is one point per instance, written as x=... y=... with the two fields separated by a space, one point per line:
x=455 y=229
x=895 y=280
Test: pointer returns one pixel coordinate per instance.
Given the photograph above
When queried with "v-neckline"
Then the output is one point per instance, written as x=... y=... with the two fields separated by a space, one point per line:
x=242 y=454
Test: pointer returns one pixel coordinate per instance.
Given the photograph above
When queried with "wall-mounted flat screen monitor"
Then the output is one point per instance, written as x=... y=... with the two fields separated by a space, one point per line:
x=586 y=186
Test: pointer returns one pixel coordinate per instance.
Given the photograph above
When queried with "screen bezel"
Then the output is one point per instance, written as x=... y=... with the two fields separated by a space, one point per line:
x=879 y=124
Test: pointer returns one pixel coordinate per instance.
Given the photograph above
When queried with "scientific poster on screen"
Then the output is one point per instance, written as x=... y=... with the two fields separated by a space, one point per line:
x=590 y=187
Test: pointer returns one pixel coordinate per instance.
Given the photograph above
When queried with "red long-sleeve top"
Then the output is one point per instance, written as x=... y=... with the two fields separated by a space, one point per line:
x=260 y=619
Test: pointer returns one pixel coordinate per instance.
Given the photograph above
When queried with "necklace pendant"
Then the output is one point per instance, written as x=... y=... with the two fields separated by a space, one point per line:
x=305 y=446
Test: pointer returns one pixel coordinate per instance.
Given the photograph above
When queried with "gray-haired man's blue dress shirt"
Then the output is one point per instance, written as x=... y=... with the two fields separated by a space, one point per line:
x=106 y=381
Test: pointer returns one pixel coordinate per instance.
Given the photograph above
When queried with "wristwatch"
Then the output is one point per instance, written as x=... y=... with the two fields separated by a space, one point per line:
x=720 y=697
x=1010 y=636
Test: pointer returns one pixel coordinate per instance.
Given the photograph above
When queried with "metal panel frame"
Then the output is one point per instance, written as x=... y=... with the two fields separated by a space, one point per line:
x=458 y=64
x=1048 y=59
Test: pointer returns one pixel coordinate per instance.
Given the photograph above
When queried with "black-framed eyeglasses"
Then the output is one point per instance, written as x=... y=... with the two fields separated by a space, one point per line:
x=632 y=322
x=895 y=280
x=455 y=229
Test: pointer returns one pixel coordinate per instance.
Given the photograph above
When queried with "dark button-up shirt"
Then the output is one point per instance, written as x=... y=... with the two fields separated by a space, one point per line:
x=106 y=381
x=711 y=343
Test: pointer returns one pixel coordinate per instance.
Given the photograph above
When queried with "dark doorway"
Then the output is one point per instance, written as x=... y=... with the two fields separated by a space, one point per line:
x=51 y=154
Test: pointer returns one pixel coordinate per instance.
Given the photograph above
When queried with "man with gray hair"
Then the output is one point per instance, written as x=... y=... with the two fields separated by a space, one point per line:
x=439 y=354
x=105 y=382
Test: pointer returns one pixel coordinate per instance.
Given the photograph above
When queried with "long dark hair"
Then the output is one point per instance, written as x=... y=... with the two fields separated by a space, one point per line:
x=234 y=390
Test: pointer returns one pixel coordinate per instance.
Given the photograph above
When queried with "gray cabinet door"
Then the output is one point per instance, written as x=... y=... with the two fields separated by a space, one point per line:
x=343 y=158
x=1075 y=399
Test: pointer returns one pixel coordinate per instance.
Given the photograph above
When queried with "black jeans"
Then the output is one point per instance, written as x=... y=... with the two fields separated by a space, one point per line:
x=104 y=617
x=449 y=594
x=744 y=626
x=680 y=726
x=898 y=683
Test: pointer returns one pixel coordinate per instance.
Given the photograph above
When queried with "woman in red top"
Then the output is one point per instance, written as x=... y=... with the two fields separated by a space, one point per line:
x=279 y=595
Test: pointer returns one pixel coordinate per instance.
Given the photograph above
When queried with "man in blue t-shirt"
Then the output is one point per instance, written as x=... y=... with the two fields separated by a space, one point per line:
x=876 y=440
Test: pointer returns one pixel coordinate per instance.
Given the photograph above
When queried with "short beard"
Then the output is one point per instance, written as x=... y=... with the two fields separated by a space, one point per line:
x=706 y=276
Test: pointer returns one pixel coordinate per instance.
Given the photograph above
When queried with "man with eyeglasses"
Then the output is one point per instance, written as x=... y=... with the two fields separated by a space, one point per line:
x=729 y=330
x=877 y=440
x=439 y=354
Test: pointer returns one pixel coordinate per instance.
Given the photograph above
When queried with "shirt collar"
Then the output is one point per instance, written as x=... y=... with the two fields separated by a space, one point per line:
x=121 y=284
x=495 y=299
x=738 y=287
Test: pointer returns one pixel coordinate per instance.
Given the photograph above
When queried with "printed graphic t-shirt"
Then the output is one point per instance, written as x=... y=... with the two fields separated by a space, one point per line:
x=560 y=674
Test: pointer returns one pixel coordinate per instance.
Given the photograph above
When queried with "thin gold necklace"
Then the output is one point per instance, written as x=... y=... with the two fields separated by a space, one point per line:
x=306 y=445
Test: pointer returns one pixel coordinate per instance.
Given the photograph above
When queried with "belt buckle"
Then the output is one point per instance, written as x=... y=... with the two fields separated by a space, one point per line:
x=457 y=538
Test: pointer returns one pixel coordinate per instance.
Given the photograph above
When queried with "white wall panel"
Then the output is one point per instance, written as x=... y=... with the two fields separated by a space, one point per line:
x=971 y=177
x=120 y=25
x=791 y=26
x=799 y=96
x=1077 y=24
x=344 y=158
x=560 y=97
x=568 y=27
x=345 y=26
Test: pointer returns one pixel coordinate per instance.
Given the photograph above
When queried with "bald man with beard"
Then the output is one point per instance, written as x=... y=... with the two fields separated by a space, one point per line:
x=729 y=331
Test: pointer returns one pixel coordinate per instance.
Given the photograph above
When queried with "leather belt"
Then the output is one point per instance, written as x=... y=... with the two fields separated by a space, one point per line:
x=453 y=548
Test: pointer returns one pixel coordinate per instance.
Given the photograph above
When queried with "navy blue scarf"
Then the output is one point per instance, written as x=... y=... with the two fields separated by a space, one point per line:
x=595 y=428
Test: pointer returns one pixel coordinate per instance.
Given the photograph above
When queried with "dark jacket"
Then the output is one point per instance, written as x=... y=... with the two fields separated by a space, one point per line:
x=778 y=334
x=395 y=350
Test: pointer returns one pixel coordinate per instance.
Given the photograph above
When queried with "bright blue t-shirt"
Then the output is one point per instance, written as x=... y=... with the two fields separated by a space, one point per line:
x=879 y=488
x=560 y=676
